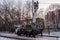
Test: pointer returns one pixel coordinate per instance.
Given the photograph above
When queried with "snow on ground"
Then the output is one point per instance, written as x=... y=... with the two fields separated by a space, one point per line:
x=52 y=34
x=30 y=38
x=2 y=38
x=43 y=38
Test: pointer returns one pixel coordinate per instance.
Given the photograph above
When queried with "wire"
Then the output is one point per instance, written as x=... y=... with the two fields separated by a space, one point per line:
x=49 y=3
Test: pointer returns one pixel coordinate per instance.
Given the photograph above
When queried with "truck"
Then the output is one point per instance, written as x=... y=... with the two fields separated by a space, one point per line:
x=28 y=31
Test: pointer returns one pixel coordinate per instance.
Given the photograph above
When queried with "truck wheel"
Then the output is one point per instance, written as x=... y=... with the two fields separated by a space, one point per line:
x=18 y=33
x=34 y=36
x=27 y=35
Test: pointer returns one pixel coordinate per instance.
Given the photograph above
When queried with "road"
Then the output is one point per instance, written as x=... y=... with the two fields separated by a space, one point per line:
x=44 y=38
x=28 y=38
x=2 y=38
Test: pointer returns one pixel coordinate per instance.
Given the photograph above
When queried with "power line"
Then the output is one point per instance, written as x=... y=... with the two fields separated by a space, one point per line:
x=49 y=3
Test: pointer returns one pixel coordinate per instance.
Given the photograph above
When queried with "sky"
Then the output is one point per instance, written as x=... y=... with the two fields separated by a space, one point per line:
x=42 y=3
x=45 y=3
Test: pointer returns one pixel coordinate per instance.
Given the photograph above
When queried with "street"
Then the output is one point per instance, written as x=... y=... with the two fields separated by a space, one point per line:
x=2 y=38
x=44 y=38
x=11 y=36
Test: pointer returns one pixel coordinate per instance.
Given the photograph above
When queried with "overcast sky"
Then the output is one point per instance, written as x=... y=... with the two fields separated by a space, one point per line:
x=42 y=3
x=45 y=3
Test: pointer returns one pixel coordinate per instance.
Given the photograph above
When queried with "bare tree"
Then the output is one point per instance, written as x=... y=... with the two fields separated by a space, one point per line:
x=6 y=10
x=18 y=12
x=28 y=8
